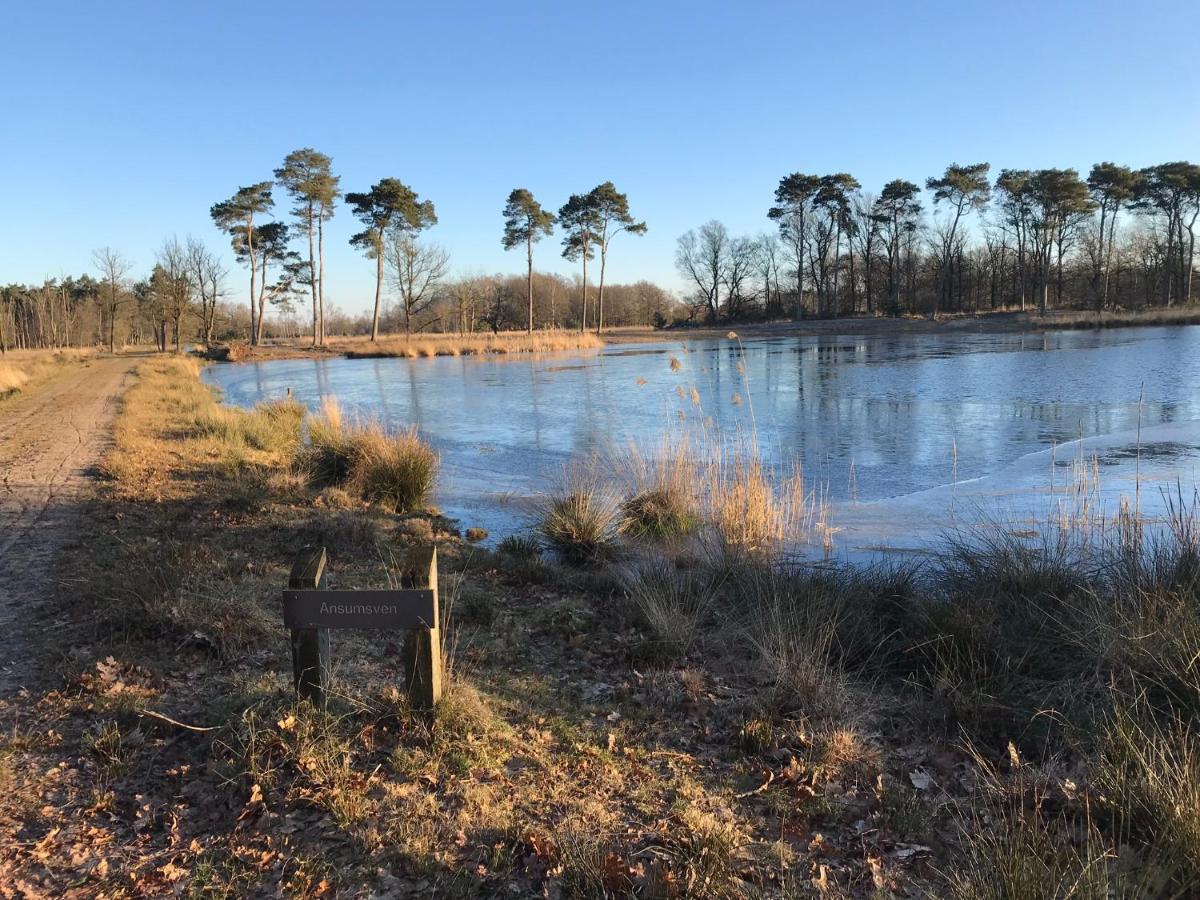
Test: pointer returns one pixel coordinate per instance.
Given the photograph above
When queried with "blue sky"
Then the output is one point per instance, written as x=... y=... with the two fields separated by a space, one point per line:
x=124 y=122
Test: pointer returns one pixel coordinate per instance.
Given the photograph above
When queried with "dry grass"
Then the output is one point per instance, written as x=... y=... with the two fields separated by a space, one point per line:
x=18 y=368
x=271 y=426
x=395 y=471
x=1149 y=772
x=429 y=345
x=238 y=445
x=753 y=509
x=12 y=379
x=1181 y=315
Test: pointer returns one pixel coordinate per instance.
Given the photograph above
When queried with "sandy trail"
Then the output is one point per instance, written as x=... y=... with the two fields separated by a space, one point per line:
x=51 y=437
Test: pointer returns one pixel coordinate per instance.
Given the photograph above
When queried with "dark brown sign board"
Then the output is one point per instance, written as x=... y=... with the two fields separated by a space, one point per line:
x=360 y=609
x=310 y=612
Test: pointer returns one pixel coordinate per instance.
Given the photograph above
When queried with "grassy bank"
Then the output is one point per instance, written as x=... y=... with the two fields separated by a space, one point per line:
x=683 y=713
x=418 y=346
x=469 y=344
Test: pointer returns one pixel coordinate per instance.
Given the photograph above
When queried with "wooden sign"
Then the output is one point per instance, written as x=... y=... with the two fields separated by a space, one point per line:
x=360 y=609
x=310 y=610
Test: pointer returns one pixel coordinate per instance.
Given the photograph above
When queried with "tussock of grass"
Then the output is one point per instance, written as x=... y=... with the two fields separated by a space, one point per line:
x=811 y=625
x=397 y=472
x=794 y=636
x=674 y=602
x=665 y=484
x=581 y=523
x=394 y=471
x=327 y=456
x=658 y=513
x=521 y=547
x=1032 y=832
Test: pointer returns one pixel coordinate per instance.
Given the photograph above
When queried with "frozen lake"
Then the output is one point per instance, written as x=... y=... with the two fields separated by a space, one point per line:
x=907 y=433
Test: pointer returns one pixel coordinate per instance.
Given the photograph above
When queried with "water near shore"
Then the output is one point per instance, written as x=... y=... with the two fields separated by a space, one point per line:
x=908 y=434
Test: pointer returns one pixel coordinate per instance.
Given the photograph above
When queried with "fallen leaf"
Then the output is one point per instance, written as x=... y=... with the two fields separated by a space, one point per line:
x=921 y=779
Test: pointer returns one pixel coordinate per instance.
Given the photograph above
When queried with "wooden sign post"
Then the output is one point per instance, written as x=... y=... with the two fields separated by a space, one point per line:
x=310 y=610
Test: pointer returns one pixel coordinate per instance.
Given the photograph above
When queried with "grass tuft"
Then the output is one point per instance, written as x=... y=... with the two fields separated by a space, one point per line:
x=581 y=524
x=396 y=471
x=675 y=603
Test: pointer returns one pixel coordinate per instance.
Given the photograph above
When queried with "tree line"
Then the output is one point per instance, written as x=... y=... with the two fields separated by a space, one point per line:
x=392 y=216
x=965 y=242
x=284 y=259
x=1120 y=238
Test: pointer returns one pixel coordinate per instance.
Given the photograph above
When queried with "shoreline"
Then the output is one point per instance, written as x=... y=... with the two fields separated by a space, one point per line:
x=430 y=345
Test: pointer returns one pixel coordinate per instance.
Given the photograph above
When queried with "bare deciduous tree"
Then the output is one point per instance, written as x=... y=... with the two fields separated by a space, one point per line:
x=416 y=270
x=113 y=268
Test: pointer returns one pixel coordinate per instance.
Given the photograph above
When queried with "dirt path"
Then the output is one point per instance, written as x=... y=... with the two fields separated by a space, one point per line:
x=50 y=439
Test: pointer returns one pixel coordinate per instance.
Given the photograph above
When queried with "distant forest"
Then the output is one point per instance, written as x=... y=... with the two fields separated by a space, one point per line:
x=1030 y=239
x=964 y=243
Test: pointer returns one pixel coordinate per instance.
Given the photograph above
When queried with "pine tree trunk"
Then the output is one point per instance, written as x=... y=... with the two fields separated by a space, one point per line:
x=600 y=294
x=321 y=277
x=253 y=279
x=583 y=312
x=529 y=252
x=312 y=278
x=378 y=291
